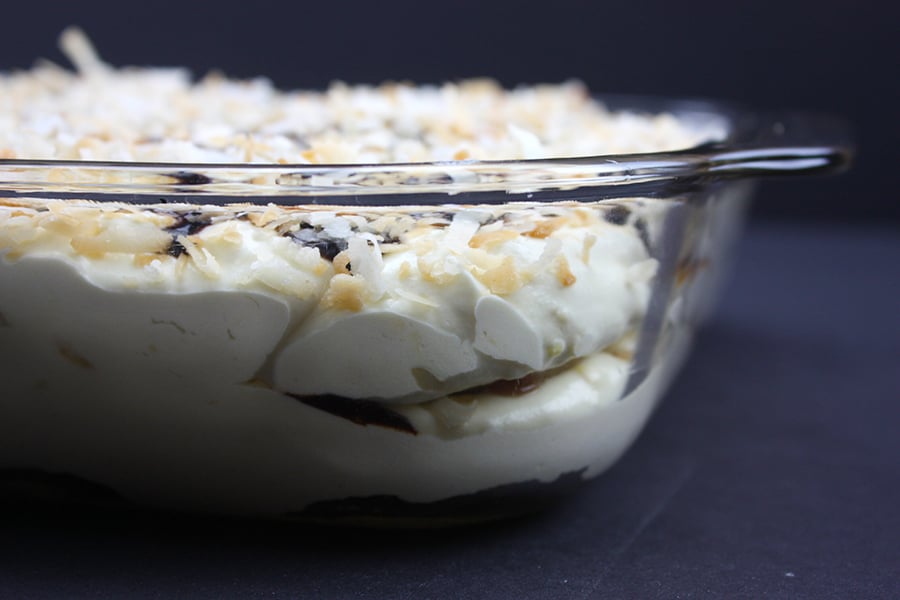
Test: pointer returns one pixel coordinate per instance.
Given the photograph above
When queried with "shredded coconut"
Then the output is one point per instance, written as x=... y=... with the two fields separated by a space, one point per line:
x=100 y=112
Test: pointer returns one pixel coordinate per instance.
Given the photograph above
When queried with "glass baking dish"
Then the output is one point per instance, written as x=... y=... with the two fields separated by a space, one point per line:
x=420 y=343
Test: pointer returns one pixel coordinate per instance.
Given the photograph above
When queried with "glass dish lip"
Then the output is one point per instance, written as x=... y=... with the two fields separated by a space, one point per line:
x=753 y=145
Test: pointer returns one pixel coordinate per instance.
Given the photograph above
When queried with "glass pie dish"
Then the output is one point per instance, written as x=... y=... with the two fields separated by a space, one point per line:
x=404 y=343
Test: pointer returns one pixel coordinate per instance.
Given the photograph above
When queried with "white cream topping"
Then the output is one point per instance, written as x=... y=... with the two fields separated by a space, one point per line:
x=412 y=309
x=402 y=350
x=592 y=383
x=171 y=439
x=54 y=316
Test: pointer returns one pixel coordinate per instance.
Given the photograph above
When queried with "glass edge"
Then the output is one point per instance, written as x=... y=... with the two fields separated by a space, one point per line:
x=754 y=145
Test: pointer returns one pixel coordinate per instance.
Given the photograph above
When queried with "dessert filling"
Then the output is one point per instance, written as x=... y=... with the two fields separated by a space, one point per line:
x=255 y=357
x=463 y=301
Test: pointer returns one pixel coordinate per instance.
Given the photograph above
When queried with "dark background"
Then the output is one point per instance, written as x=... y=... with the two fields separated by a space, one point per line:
x=839 y=57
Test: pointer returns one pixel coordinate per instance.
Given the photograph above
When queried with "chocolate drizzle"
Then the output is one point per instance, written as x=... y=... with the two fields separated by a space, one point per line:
x=617 y=215
x=175 y=249
x=387 y=239
x=190 y=178
x=516 y=387
x=189 y=223
x=359 y=411
x=512 y=387
x=641 y=226
x=314 y=237
x=186 y=223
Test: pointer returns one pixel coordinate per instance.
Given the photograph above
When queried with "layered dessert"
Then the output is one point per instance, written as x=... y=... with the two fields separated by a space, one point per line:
x=316 y=359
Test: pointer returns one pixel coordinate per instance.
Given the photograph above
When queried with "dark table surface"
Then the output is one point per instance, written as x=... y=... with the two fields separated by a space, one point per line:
x=771 y=469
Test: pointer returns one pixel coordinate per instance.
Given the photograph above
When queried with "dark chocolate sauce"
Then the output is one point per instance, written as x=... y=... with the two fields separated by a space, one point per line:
x=313 y=237
x=190 y=178
x=387 y=238
x=512 y=387
x=189 y=223
x=186 y=223
x=175 y=249
x=641 y=226
x=516 y=387
x=617 y=215
x=359 y=411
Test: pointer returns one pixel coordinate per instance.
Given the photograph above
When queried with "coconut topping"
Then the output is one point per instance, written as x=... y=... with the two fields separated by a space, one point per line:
x=462 y=296
x=99 y=112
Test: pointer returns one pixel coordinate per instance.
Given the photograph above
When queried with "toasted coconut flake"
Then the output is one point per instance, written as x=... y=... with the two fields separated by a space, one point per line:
x=366 y=261
x=564 y=272
x=345 y=292
x=78 y=49
x=503 y=279
x=589 y=241
x=544 y=229
x=488 y=239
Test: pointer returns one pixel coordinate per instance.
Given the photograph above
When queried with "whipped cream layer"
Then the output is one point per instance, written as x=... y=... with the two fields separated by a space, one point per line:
x=399 y=305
